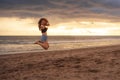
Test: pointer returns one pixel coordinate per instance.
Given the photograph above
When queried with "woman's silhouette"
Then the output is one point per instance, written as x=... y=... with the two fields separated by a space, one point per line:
x=43 y=27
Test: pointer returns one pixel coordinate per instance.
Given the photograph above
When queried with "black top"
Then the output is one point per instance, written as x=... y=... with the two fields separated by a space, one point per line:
x=44 y=30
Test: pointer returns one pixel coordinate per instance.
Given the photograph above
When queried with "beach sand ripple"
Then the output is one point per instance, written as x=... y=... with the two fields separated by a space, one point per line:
x=98 y=63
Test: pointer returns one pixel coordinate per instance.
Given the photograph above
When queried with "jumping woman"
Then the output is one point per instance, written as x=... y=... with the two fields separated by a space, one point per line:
x=43 y=27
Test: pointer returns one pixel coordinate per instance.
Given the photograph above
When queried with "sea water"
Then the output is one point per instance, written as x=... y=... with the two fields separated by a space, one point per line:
x=24 y=44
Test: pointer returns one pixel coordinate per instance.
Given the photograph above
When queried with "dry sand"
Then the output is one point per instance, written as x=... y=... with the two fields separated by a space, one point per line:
x=98 y=63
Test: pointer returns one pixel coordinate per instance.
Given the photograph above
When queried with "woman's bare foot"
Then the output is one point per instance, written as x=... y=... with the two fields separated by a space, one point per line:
x=36 y=42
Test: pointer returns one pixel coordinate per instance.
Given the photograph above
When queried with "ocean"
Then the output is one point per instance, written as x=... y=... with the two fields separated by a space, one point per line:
x=24 y=44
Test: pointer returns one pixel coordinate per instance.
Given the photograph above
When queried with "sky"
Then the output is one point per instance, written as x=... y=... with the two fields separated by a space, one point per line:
x=66 y=17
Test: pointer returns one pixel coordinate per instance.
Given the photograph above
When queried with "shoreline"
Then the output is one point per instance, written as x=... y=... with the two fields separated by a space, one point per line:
x=93 y=63
x=45 y=51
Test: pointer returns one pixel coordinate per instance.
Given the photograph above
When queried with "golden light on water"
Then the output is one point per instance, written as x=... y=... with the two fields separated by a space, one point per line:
x=28 y=26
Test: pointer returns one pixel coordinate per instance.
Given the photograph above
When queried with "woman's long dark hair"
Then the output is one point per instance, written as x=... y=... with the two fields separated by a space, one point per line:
x=47 y=23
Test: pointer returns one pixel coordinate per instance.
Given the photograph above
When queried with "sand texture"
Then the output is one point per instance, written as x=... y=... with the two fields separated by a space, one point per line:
x=98 y=63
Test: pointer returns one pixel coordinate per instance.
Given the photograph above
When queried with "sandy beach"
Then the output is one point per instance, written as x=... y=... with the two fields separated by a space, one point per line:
x=97 y=63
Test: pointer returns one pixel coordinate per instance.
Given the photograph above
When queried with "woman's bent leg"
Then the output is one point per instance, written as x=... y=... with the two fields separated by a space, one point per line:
x=45 y=45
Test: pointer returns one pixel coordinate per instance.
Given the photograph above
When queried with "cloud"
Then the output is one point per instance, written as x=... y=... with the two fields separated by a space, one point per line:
x=62 y=10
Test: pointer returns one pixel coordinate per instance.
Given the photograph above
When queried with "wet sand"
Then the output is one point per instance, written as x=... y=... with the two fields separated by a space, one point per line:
x=98 y=63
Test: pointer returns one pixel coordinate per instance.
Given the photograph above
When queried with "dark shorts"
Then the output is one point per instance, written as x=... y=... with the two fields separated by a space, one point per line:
x=43 y=38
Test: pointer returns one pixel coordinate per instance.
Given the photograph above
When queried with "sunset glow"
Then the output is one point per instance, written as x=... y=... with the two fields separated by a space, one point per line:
x=64 y=19
x=15 y=26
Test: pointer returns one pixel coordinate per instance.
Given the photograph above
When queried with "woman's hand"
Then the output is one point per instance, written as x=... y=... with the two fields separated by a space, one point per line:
x=42 y=26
